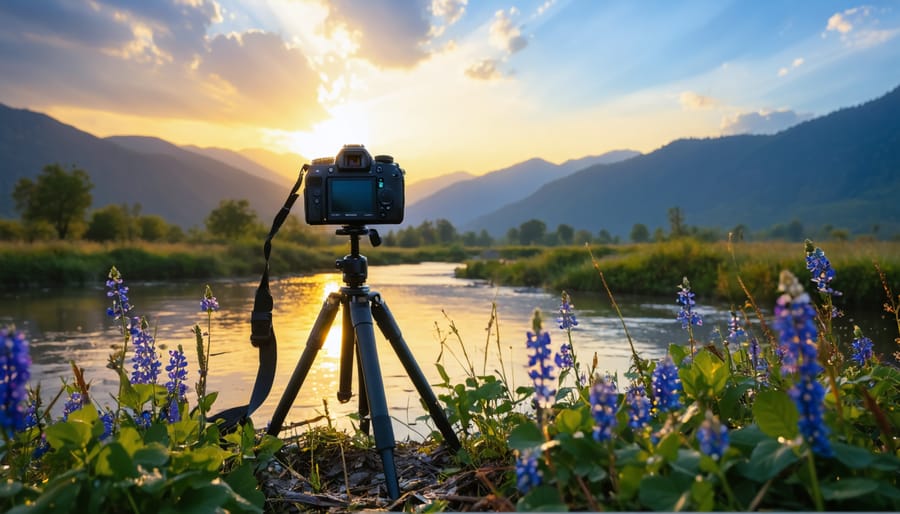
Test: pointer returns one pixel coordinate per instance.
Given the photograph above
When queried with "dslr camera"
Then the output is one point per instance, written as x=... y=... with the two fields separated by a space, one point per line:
x=354 y=189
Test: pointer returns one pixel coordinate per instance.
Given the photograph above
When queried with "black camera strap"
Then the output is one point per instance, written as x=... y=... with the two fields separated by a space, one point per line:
x=262 y=330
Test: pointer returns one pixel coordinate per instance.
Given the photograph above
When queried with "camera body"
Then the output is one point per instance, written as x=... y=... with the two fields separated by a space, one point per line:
x=354 y=189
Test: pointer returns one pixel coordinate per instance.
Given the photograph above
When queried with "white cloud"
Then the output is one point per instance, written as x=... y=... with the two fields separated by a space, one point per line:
x=486 y=69
x=450 y=10
x=504 y=34
x=694 y=101
x=762 y=122
x=839 y=23
x=858 y=28
x=796 y=63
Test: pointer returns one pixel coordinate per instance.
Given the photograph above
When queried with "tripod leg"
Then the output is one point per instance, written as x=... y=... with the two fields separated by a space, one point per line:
x=391 y=331
x=363 y=398
x=348 y=346
x=313 y=345
x=361 y=314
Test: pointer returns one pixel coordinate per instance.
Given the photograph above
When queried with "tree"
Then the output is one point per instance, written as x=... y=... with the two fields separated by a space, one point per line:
x=565 y=233
x=676 y=222
x=153 y=228
x=640 y=233
x=231 y=219
x=604 y=237
x=57 y=197
x=583 y=236
x=109 y=223
x=512 y=235
x=532 y=232
x=446 y=232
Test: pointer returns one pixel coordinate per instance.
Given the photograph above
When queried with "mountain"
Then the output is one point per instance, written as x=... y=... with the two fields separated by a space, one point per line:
x=841 y=169
x=242 y=162
x=427 y=187
x=178 y=185
x=466 y=200
x=287 y=164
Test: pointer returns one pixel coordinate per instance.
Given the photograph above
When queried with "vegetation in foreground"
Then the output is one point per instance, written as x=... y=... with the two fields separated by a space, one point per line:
x=778 y=413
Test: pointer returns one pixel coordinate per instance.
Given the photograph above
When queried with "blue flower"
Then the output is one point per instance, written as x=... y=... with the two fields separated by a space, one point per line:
x=820 y=268
x=144 y=419
x=73 y=403
x=604 y=401
x=527 y=474
x=666 y=386
x=638 y=406
x=177 y=372
x=736 y=333
x=862 y=348
x=119 y=294
x=687 y=316
x=541 y=371
x=145 y=360
x=564 y=358
x=713 y=437
x=15 y=364
x=107 y=418
x=794 y=319
x=209 y=303
x=566 y=318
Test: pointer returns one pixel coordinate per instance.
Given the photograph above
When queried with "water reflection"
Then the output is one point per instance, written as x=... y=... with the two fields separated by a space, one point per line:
x=425 y=299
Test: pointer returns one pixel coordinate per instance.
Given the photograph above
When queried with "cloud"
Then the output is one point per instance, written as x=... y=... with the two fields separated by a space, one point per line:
x=386 y=36
x=504 y=34
x=450 y=10
x=694 y=101
x=796 y=63
x=762 y=122
x=152 y=59
x=486 y=69
x=858 y=28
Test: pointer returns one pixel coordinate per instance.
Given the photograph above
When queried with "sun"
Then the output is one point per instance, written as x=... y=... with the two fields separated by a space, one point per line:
x=347 y=124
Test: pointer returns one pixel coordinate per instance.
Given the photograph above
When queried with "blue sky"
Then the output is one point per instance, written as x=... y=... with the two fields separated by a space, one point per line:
x=444 y=85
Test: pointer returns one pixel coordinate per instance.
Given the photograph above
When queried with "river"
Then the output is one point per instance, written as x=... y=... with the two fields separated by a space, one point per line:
x=66 y=326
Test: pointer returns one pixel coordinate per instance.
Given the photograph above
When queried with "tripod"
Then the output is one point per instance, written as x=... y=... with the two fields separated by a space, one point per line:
x=360 y=306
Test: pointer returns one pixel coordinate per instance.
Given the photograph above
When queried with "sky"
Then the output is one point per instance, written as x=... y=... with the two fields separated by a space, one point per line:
x=444 y=85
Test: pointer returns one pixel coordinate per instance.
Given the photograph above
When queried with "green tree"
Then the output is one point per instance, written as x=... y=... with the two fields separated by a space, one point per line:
x=109 y=223
x=152 y=228
x=583 y=236
x=604 y=237
x=565 y=233
x=57 y=197
x=427 y=233
x=512 y=235
x=676 y=223
x=446 y=232
x=231 y=219
x=409 y=237
x=11 y=230
x=532 y=231
x=640 y=233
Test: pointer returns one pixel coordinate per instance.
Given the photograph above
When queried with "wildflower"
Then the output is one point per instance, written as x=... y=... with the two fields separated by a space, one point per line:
x=209 y=303
x=687 y=316
x=666 y=385
x=15 y=364
x=736 y=332
x=108 y=419
x=119 y=294
x=862 y=347
x=713 y=437
x=541 y=368
x=564 y=358
x=177 y=372
x=527 y=474
x=797 y=343
x=144 y=419
x=566 y=317
x=145 y=360
x=638 y=406
x=820 y=267
x=42 y=447
x=604 y=399
x=73 y=403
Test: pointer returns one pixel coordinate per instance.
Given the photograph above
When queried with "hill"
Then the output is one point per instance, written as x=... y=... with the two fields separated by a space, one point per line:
x=178 y=185
x=841 y=169
x=466 y=200
x=427 y=187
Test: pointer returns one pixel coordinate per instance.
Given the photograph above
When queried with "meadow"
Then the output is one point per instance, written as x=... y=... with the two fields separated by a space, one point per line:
x=779 y=413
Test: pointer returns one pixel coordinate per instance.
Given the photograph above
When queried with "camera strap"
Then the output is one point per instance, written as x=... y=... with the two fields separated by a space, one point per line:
x=262 y=330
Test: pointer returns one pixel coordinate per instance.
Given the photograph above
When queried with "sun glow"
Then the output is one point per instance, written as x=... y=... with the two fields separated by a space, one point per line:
x=349 y=123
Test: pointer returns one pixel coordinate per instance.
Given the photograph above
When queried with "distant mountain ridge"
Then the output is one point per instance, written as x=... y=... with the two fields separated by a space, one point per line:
x=841 y=169
x=179 y=185
x=466 y=200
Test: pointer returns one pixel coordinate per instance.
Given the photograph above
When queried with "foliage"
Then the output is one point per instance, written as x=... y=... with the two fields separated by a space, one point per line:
x=231 y=219
x=149 y=452
x=58 y=197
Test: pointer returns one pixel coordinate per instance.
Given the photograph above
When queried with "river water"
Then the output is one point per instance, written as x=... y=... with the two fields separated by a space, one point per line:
x=65 y=326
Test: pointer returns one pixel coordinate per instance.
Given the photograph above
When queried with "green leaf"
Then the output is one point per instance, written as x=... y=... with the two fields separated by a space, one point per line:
x=630 y=481
x=113 y=461
x=703 y=496
x=571 y=421
x=666 y=493
x=154 y=455
x=68 y=434
x=776 y=414
x=747 y=437
x=10 y=488
x=849 y=488
x=243 y=482
x=203 y=499
x=526 y=436
x=853 y=456
x=542 y=499
x=730 y=406
x=668 y=447
x=768 y=459
x=678 y=353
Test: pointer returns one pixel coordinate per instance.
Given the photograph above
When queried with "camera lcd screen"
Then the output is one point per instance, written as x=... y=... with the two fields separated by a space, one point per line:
x=351 y=197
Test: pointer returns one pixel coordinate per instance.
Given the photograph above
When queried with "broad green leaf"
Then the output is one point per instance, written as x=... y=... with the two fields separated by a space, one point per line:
x=68 y=434
x=668 y=447
x=730 y=406
x=10 y=488
x=665 y=493
x=776 y=414
x=768 y=459
x=542 y=499
x=526 y=436
x=113 y=461
x=852 y=456
x=849 y=488
x=570 y=421
x=203 y=499
x=703 y=496
x=154 y=455
x=747 y=437
x=244 y=485
x=630 y=481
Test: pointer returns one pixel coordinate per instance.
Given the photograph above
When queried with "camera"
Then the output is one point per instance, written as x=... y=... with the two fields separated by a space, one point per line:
x=354 y=189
